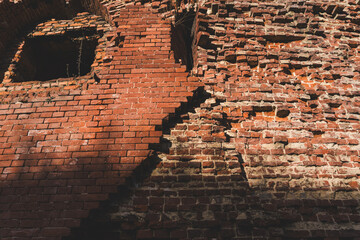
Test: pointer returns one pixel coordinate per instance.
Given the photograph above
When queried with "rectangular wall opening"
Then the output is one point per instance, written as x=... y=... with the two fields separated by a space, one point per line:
x=52 y=57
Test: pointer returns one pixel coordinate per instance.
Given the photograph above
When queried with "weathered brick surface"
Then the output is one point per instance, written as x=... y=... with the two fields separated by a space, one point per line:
x=67 y=143
x=199 y=190
x=287 y=75
x=271 y=153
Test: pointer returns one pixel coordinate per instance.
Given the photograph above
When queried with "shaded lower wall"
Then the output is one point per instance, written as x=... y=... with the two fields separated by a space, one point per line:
x=207 y=207
x=196 y=188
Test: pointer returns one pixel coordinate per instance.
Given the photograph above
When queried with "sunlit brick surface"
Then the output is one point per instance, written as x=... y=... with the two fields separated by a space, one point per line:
x=67 y=143
x=264 y=143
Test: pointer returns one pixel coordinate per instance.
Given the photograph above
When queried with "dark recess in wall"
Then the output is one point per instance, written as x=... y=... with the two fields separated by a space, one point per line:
x=14 y=26
x=181 y=38
x=56 y=57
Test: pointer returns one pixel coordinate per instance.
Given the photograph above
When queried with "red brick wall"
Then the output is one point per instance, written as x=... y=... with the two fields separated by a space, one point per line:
x=273 y=151
x=267 y=150
x=200 y=191
x=287 y=78
x=66 y=144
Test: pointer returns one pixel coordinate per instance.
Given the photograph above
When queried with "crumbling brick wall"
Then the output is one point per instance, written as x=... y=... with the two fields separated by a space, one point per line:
x=272 y=151
x=265 y=148
x=287 y=73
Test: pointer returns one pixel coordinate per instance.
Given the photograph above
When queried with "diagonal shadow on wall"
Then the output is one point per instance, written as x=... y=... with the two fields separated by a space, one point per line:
x=183 y=189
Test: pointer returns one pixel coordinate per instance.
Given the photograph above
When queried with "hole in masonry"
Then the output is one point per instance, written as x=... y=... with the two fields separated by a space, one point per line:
x=334 y=104
x=283 y=113
x=313 y=105
x=317 y=133
x=54 y=57
x=314 y=96
x=181 y=38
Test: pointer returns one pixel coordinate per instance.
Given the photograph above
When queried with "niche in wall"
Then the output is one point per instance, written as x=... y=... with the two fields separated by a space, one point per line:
x=60 y=49
x=54 y=57
x=182 y=37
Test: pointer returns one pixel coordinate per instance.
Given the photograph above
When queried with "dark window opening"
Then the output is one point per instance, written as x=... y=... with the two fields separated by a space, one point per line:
x=46 y=58
x=182 y=38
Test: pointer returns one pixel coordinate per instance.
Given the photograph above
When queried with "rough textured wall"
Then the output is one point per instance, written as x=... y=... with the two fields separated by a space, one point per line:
x=67 y=143
x=288 y=77
x=272 y=149
x=267 y=148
